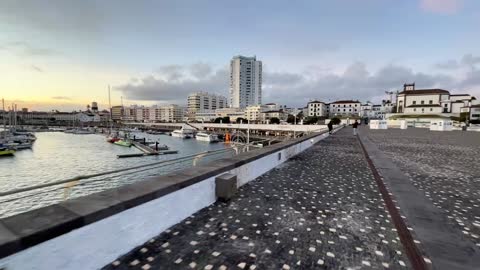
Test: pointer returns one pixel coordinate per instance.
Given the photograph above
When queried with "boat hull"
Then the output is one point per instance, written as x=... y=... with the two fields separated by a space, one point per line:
x=7 y=152
x=123 y=143
x=206 y=137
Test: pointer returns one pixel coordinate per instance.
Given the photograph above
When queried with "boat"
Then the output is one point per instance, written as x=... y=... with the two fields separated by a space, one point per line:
x=4 y=151
x=161 y=147
x=123 y=143
x=82 y=131
x=112 y=139
x=155 y=132
x=17 y=145
x=182 y=133
x=202 y=136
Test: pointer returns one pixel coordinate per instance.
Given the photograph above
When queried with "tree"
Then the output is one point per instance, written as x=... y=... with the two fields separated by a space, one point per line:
x=291 y=119
x=310 y=120
x=241 y=120
x=335 y=121
x=226 y=120
x=274 y=120
x=300 y=115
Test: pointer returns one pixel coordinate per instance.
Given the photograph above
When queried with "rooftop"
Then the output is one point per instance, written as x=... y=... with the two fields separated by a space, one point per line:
x=315 y=101
x=345 y=101
x=424 y=92
x=423 y=105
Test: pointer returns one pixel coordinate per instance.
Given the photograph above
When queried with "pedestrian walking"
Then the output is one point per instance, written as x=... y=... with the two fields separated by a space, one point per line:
x=330 y=127
x=355 y=125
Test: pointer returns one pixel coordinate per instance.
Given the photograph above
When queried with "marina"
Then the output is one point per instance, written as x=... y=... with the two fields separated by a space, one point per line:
x=57 y=156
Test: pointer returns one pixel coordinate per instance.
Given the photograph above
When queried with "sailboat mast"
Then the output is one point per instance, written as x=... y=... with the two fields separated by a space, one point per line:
x=4 y=120
x=111 y=114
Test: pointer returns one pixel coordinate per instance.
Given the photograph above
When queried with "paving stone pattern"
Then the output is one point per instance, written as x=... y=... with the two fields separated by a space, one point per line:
x=320 y=210
x=445 y=166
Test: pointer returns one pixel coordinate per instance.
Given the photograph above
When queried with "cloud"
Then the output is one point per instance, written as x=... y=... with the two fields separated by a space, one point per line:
x=356 y=82
x=467 y=61
x=37 y=69
x=449 y=64
x=442 y=6
x=171 y=72
x=472 y=79
x=61 y=98
x=200 y=70
x=470 y=60
x=172 y=84
x=295 y=89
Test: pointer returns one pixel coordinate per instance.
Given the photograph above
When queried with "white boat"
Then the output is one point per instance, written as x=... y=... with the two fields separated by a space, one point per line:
x=182 y=133
x=202 y=136
x=80 y=131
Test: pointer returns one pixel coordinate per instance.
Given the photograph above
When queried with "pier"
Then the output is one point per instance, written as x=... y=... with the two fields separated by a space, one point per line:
x=147 y=150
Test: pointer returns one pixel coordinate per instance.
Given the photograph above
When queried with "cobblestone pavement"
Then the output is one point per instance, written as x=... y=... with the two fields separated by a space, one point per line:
x=320 y=210
x=444 y=166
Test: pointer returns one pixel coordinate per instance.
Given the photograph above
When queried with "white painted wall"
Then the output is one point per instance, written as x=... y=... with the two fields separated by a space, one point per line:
x=97 y=244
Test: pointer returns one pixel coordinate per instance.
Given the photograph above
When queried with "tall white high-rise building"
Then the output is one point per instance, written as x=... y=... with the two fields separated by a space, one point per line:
x=245 y=81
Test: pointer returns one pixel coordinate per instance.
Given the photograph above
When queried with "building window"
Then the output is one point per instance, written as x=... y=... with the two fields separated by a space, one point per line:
x=414 y=110
x=430 y=102
x=414 y=102
x=422 y=102
x=431 y=109
x=423 y=110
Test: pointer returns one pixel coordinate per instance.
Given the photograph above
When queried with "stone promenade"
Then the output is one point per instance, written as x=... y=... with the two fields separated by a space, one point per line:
x=442 y=203
x=320 y=210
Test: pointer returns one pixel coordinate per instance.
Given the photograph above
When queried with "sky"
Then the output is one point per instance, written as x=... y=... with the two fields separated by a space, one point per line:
x=64 y=54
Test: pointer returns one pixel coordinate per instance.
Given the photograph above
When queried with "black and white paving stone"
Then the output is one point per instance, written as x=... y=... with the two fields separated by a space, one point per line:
x=319 y=210
x=445 y=166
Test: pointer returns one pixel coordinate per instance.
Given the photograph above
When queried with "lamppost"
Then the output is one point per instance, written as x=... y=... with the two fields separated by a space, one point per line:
x=295 y=124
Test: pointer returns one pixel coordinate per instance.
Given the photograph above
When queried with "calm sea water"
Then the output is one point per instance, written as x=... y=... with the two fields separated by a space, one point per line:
x=57 y=156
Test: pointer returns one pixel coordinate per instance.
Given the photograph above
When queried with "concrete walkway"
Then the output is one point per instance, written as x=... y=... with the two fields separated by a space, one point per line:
x=320 y=210
x=434 y=178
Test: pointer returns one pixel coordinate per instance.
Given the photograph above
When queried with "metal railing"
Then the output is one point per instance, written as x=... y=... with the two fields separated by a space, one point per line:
x=88 y=179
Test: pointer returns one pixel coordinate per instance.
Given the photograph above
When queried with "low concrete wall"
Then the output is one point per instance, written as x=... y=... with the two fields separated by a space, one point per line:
x=92 y=231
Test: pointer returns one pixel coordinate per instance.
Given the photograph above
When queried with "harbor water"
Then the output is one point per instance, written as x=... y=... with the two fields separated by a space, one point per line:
x=57 y=156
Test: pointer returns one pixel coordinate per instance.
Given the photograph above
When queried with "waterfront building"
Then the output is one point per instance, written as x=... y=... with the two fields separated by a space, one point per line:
x=205 y=116
x=67 y=118
x=366 y=110
x=233 y=113
x=171 y=113
x=274 y=106
x=432 y=101
x=129 y=113
x=204 y=102
x=253 y=113
x=94 y=107
x=475 y=112
x=117 y=113
x=345 y=108
x=376 y=111
x=165 y=113
x=245 y=81
x=317 y=108
x=266 y=116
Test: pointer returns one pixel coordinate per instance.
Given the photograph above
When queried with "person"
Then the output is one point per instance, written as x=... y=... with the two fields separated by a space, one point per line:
x=355 y=125
x=330 y=127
